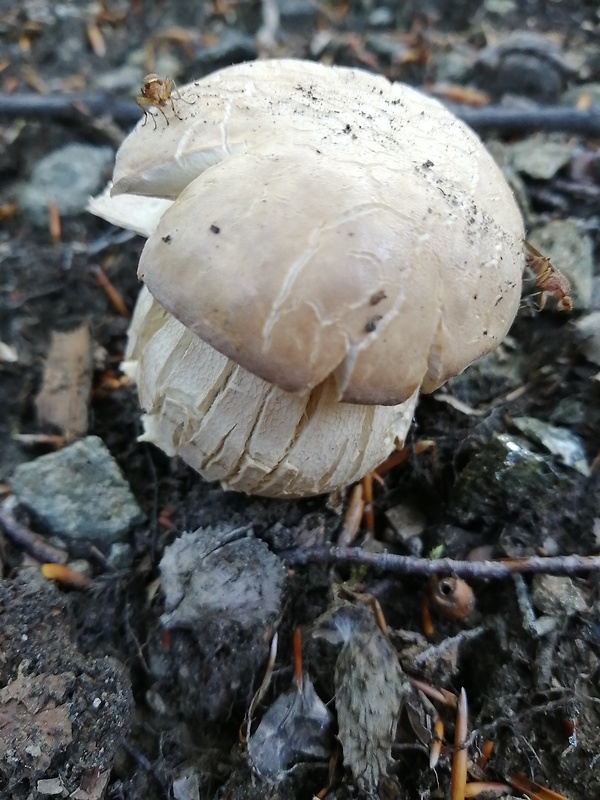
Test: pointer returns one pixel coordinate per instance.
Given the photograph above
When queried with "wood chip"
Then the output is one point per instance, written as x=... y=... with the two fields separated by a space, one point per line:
x=64 y=397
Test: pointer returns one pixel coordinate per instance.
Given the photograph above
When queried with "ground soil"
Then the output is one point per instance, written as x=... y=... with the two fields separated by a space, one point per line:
x=526 y=693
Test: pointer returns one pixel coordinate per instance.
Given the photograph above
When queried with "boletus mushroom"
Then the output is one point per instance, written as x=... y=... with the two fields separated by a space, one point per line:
x=322 y=246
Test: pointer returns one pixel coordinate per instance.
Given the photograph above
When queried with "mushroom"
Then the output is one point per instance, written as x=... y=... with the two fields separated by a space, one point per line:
x=335 y=243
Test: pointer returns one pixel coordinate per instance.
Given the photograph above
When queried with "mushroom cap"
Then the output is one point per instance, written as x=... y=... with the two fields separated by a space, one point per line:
x=327 y=223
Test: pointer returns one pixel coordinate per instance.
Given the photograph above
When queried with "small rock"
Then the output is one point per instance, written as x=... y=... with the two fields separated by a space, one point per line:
x=452 y=66
x=319 y=43
x=298 y=15
x=381 y=17
x=589 y=91
x=524 y=64
x=294 y=730
x=232 y=48
x=539 y=157
x=499 y=8
x=588 y=328
x=68 y=176
x=187 y=787
x=545 y=625
x=50 y=786
x=555 y=594
x=501 y=478
x=82 y=566
x=123 y=79
x=563 y=444
x=387 y=46
x=120 y=556
x=8 y=354
x=569 y=411
x=78 y=493
x=408 y=524
x=494 y=374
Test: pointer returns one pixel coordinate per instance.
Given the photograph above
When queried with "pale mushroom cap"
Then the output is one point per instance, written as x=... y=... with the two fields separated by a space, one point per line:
x=232 y=426
x=327 y=223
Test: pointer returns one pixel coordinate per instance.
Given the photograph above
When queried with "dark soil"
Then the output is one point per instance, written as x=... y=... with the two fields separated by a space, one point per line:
x=536 y=696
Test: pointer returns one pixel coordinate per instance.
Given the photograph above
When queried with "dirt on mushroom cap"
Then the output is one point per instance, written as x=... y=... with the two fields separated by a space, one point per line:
x=405 y=204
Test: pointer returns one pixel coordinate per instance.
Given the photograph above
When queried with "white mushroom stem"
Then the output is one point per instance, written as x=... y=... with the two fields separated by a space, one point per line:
x=236 y=428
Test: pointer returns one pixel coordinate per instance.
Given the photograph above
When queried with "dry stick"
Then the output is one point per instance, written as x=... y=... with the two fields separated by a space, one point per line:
x=30 y=541
x=544 y=118
x=407 y=565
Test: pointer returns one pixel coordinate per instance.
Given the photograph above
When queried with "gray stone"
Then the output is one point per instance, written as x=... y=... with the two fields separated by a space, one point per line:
x=588 y=328
x=525 y=64
x=539 y=157
x=566 y=446
x=452 y=66
x=556 y=595
x=501 y=479
x=408 y=523
x=68 y=176
x=232 y=48
x=295 y=729
x=120 y=556
x=186 y=787
x=589 y=91
x=78 y=493
x=381 y=17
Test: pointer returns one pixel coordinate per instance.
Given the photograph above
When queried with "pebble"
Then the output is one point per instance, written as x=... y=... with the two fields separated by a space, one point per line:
x=554 y=594
x=381 y=17
x=78 y=493
x=566 y=446
x=68 y=176
x=408 y=523
x=588 y=328
x=539 y=157
x=524 y=64
x=120 y=556
x=232 y=48
x=186 y=787
x=500 y=479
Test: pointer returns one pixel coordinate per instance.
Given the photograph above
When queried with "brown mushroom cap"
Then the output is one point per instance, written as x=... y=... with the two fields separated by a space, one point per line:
x=327 y=222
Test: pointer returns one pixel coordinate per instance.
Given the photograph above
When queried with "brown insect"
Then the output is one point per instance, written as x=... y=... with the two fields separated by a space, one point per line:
x=549 y=280
x=157 y=92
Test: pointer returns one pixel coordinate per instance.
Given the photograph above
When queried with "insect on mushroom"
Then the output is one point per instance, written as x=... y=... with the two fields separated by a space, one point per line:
x=550 y=281
x=157 y=92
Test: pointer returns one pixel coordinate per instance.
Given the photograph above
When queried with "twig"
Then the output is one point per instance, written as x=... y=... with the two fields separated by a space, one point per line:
x=30 y=541
x=435 y=651
x=506 y=120
x=407 y=565
x=544 y=118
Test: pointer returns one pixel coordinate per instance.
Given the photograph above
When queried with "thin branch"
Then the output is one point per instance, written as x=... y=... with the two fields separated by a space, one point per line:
x=540 y=118
x=407 y=565
x=125 y=111
x=32 y=542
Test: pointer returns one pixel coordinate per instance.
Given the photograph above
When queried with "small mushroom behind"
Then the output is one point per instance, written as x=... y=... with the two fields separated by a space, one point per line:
x=335 y=244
